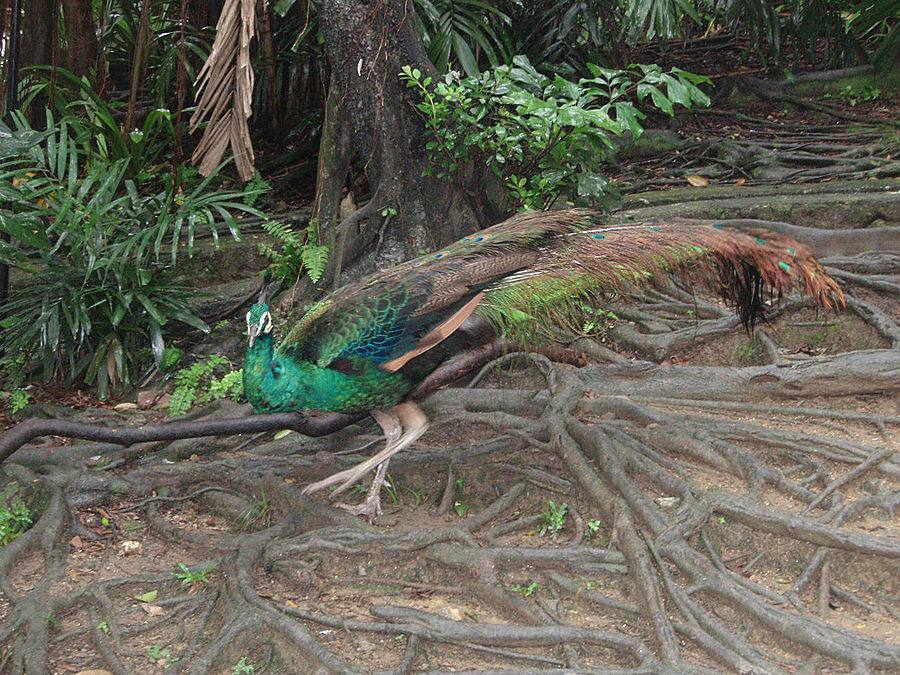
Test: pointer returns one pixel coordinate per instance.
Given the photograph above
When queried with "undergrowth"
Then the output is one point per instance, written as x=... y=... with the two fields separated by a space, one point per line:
x=198 y=383
x=15 y=517
x=294 y=251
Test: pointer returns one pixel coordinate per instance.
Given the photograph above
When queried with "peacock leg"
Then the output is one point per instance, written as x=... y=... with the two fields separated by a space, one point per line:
x=403 y=425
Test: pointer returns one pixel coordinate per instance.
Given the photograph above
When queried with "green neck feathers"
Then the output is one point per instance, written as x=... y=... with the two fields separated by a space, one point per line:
x=276 y=384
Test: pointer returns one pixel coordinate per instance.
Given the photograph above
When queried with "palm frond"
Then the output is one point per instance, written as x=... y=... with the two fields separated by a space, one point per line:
x=225 y=84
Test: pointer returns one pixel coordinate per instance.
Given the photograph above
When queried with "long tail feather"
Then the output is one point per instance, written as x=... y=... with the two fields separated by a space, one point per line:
x=598 y=263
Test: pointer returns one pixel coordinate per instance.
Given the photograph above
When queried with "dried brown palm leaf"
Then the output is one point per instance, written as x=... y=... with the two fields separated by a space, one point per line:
x=225 y=84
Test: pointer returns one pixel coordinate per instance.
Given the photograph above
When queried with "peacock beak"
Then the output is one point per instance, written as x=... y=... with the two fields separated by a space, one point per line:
x=252 y=332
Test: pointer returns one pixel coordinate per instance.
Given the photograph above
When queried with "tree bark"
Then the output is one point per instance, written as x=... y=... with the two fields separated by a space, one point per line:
x=83 y=55
x=137 y=65
x=204 y=13
x=367 y=44
x=36 y=47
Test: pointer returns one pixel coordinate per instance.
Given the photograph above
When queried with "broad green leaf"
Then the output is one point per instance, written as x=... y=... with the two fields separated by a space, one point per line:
x=149 y=596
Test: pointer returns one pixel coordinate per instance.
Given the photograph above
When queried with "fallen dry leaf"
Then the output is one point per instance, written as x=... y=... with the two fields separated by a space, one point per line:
x=152 y=610
x=128 y=547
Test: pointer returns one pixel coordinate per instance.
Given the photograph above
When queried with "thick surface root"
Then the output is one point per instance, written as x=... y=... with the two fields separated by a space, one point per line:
x=623 y=518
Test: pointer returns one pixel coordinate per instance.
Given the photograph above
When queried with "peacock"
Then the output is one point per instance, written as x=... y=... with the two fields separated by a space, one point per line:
x=366 y=346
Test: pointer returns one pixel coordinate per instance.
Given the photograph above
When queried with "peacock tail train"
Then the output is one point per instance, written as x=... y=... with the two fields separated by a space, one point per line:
x=363 y=347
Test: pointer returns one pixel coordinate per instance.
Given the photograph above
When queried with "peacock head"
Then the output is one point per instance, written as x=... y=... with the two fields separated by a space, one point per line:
x=259 y=322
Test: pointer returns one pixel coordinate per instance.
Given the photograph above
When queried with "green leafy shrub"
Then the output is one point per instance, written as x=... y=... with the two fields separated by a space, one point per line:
x=17 y=401
x=15 y=517
x=100 y=294
x=553 y=520
x=544 y=138
x=197 y=384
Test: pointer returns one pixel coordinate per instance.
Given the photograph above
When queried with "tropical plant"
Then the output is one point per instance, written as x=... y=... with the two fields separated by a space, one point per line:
x=650 y=19
x=455 y=31
x=878 y=22
x=93 y=127
x=99 y=294
x=119 y=27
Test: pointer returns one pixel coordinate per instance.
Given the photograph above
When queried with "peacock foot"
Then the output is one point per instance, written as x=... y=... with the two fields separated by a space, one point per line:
x=403 y=425
x=371 y=505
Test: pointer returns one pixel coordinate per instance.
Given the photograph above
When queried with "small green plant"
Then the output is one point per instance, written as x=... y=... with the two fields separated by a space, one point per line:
x=161 y=657
x=553 y=520
x=197 y=384
x=230 y=385
x=854 y=95
x=414 y=493
x=293 y=252
x=593 y=526
x=242 y=667
x=748 y=352
x=459 y=505
x=597 y=321
x=255 y=187
x=104 y=626
x=171 y=357
x=259 y=513
x=525 y=591
x=18 y=399
x=15 y=517
x=391 y=488
x=189 y=578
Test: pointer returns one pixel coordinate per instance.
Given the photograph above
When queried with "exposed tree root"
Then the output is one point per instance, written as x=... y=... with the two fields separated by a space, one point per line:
x=716 y=521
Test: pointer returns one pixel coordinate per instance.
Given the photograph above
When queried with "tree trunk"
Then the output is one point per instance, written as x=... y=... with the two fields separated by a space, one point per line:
x=137 y=65
x=267 y=66
x=83 y=55
x=367 y=44
x=36 y=46
x=38 y=33
x=203 y=13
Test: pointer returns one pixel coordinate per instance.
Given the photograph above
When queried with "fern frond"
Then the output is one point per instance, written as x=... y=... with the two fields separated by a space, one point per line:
x=283 y=232
x=314 y=259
